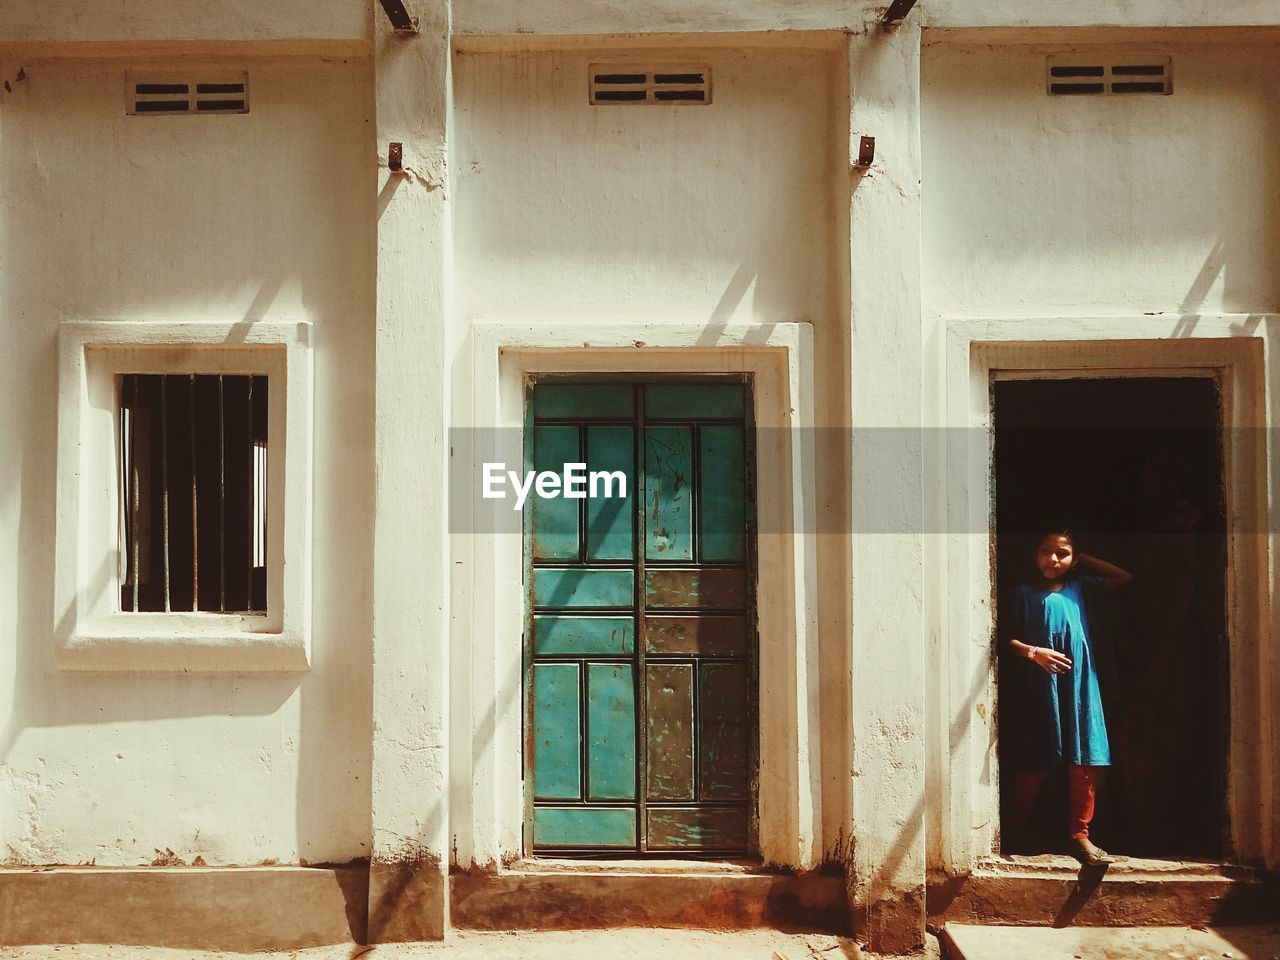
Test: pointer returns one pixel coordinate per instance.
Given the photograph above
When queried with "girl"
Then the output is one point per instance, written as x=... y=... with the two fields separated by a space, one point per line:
x=1061 y=718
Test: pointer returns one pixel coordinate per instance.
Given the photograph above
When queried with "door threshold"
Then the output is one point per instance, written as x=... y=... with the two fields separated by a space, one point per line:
x=1154 y=868
x=555 y=865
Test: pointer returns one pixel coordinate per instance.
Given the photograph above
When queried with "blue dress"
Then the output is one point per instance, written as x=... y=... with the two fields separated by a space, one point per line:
x=1061 y=717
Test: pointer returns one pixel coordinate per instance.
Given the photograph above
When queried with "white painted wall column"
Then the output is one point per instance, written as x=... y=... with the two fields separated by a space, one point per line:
x=408 y=890
x=887 y=863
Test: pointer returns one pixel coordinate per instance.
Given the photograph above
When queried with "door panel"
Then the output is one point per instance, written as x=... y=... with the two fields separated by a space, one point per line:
x=709 y=589
x=611 y=522
x=570 y=400
x=555 y=535
x=722 y=731
x=575 y=587
x=609 y=636
x=721 y=484
x=696 y=636
x=714 y=828
x=611 y=729
x=556 y=735
x=601 y=827
x=668 y=474
x=669 y=699
x=695 y=401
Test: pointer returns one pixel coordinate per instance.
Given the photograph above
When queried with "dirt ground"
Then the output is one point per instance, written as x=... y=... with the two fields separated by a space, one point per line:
x=1260 y=942
x=624 y=944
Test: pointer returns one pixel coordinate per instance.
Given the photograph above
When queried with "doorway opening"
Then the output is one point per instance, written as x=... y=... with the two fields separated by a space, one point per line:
x=1133 y=466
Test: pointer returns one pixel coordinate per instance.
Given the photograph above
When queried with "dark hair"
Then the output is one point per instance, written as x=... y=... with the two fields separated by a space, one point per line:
x=1061 y=530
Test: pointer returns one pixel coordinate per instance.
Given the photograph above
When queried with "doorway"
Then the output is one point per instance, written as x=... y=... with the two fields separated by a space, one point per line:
x=1133 y=466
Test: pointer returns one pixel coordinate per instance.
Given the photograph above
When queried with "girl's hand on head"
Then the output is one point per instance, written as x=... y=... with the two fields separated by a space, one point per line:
x=1050 y=661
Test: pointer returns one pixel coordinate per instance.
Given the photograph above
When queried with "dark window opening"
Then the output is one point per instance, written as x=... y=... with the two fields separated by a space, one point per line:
x=160 y=106
x=193 y=485
x=692 y=95
x=225 y=105
x=1138 y=70
x=161 y=88
x=1138 y=87
x=1076 y=71
x=1134 y=467
x=678 y=78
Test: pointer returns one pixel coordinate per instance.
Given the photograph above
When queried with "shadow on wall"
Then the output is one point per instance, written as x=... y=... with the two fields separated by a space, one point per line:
x=625 y=222
x=1110 y=205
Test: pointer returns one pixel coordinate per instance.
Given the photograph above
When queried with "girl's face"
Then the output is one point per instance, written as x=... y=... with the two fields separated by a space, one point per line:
x=1055 y=556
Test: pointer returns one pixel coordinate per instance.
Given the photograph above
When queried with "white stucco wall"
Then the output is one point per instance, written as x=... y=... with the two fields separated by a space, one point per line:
x=84 y=21
x=349 y=20
x=1039 y=205
x=693 y=16
x=252 y=217
x=695 y=213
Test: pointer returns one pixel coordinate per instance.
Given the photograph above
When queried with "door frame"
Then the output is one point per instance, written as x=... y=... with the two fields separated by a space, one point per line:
x=486 y=798
x=963 y=730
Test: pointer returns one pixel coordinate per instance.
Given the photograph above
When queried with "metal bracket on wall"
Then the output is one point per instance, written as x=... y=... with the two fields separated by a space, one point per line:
x=866 y=153
x=400 y=18
x=896 y=13
x=395 y=157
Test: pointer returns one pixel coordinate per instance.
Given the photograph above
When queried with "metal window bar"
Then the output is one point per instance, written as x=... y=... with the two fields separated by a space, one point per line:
x=195 y=500
x=134 y=498
x=222 y=495
x=209 y=401
x=249 y=565
x=259 y=504
x=164 y=481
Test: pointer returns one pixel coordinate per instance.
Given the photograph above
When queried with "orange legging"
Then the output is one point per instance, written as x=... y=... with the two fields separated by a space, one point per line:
x=1082 y=794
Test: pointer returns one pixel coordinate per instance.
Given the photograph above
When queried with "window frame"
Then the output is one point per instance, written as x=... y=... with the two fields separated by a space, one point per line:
x=91 y=631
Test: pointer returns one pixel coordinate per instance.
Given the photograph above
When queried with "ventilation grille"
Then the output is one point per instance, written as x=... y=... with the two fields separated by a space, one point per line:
x=666 y=83
x=1080 y=77
x=223 y=93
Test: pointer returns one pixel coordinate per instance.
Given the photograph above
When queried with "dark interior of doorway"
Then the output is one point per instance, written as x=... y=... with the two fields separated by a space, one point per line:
x=1134 y=467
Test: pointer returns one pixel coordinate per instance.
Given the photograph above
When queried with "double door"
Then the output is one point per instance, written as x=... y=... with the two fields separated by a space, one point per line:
x=639 y=675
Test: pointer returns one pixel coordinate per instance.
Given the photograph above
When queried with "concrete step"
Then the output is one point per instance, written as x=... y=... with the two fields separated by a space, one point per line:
x=577 y=896
x=1054 y=891
x=972 y=942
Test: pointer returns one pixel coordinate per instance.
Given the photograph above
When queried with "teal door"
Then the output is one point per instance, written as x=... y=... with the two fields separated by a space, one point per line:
x=639 y=677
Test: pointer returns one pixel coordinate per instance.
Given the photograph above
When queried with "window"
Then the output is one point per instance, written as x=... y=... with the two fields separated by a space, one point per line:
x=183 y=481
x=193 y=492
